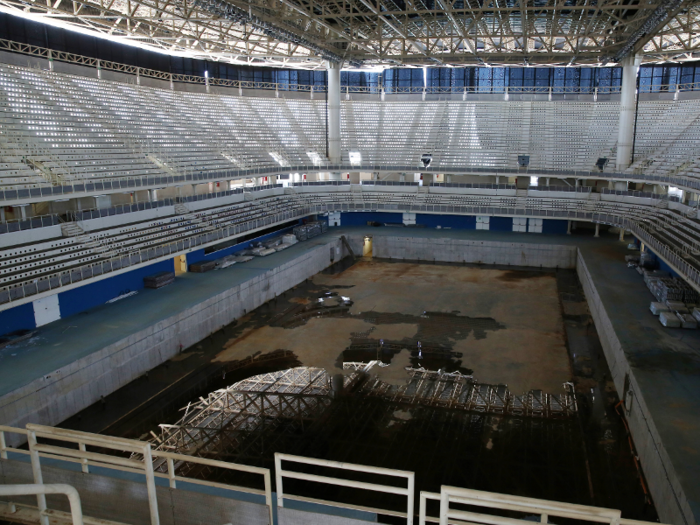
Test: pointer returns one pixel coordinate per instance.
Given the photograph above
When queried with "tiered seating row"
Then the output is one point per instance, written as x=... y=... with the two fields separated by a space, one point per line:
x=668 y=133
x=60 y=128
x=31 y=269
x=556 y=135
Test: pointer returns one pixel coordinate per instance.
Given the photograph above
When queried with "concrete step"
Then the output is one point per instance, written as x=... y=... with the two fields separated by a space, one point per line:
x=71 y=229
x=181 y=209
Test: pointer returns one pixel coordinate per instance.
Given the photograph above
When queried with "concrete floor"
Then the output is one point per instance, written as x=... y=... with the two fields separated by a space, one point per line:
x=527 y=352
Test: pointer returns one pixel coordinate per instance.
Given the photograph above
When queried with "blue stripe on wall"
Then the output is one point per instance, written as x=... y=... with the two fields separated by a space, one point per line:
x=361 y=218
x=80 y=299
x=463 y=222
x=553 y=226
x=18 y=318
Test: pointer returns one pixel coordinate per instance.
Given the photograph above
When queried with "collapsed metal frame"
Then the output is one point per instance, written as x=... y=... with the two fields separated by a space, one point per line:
x=221 y=421
x=456 y=390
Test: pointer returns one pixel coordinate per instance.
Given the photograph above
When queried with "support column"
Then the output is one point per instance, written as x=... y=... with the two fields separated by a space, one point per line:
x=622 y=235
x=568 y=227
x=2 y=214
x=152 y=195
x=628 y=99
x=597 y=230
x=334 y=112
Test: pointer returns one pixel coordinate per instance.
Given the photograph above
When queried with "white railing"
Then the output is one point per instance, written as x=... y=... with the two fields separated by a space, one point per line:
x=448 y=496
x=76 y=509
x=62 y=56
x=35 y=282
x=528 y=506
x=138 y=449
x=407 y=491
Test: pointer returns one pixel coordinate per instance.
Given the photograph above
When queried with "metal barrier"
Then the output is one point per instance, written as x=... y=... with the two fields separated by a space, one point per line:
x=144 y=465
x=280 y=474
x=595 y=211
x=505 y=502
x=29 y=490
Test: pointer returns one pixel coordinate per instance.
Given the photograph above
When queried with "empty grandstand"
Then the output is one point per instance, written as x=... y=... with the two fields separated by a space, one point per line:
x=328 y=262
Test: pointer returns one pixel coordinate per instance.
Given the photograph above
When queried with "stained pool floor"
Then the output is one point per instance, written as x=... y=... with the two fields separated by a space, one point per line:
x=526 y=328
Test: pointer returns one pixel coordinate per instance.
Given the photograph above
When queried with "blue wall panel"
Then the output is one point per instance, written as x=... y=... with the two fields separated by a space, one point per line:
x=501 y=224
x=361 y=218
x=18 y=318
x=554 y=226
x=462 y=222
x=94 y=294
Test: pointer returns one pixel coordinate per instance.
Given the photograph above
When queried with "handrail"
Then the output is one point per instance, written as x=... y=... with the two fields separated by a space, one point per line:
x=27 y=490
x=492 y=500
x=84 y=187
x=572 y=209
x=73 y=58
x=281 y=473
x=447 y=495
x=141 y=462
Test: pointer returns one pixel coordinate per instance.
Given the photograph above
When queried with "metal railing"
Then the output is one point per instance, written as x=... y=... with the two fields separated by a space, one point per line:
x=144 y=465
x=408 y=491
x=32 y=490
x=99 y=64
x=29 y=223
x=122 y=184
x=144 y=458
x=544 y=509
x=62 y=279
x=607 y=212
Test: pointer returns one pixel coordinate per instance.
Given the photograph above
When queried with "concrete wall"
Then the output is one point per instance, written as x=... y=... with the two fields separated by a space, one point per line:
x=664 y=485
x=461 y=251
x=57 y=396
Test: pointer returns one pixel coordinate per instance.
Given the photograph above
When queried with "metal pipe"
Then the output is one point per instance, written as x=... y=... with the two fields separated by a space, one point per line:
x=41 y=490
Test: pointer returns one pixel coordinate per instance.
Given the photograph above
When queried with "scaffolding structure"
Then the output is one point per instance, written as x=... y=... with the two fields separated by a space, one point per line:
x=221 y=421
x=456 y=390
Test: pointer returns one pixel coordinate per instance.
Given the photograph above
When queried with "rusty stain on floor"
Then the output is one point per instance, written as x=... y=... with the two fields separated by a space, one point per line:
x=505 y=325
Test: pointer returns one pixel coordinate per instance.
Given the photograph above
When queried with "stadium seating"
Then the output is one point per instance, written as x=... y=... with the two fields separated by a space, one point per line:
x=58 y=129
x=79 y=255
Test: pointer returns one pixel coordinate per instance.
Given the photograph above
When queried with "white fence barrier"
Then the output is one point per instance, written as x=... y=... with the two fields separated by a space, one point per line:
x=280 y=474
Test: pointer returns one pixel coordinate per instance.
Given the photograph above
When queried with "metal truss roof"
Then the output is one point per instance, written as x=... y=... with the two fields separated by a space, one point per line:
x=364 y=33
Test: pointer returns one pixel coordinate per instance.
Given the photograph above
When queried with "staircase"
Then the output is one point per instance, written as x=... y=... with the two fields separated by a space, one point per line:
x=98 y=247
x=181 y=209
x=192 y=218
x=521 y=198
